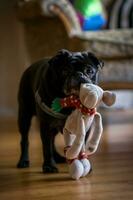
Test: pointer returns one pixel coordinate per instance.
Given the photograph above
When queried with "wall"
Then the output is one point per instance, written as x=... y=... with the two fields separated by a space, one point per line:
x=13 y=57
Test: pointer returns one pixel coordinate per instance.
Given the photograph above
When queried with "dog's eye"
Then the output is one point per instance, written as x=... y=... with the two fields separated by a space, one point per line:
x=89 y=71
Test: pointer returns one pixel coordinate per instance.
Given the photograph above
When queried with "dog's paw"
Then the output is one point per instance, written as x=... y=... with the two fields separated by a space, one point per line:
x=23 y=164
x=58 y=158
x=50 y=169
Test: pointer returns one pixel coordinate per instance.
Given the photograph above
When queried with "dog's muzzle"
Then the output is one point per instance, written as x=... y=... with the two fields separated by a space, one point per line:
x=73 y=82
x=82 y=78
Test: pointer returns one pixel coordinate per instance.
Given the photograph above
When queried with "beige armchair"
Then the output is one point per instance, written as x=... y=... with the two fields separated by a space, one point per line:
x=50 y=25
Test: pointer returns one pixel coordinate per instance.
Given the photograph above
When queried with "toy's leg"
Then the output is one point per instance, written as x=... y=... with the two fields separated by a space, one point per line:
x=76 y=169
x=86 y=165
x=77 y=142
x=85 y=162
x=68 y=139
x=94 y=140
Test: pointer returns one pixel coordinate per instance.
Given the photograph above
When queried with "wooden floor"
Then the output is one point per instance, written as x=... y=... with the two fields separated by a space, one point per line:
x=112 y=176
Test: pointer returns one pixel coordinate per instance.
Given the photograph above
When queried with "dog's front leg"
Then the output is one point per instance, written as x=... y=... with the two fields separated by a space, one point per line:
x=24 y=122
x=47 y=137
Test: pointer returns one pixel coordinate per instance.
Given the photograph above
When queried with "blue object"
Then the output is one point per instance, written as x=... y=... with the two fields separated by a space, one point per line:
x=90 y=14
x=94 y=22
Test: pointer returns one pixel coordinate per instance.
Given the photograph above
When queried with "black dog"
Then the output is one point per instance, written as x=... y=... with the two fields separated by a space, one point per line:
x=40 y=84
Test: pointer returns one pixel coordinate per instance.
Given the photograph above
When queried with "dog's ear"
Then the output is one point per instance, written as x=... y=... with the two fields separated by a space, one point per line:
x=64 y=52
x=101 y=64
x=98 y=63
x=61 y=58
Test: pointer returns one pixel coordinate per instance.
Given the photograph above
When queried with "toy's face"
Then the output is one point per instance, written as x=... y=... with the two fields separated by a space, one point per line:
x=90 y=95
x=75 y=68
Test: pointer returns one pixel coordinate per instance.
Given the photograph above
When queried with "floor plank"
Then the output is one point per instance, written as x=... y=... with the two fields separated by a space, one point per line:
x=112 y=176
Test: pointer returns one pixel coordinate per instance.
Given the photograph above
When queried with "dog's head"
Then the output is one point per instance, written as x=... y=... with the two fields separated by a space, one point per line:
x=74 y=68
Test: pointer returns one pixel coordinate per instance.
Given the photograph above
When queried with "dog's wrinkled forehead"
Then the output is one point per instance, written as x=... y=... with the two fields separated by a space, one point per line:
x=84 y=59
x=75 y=60
x=74 y=68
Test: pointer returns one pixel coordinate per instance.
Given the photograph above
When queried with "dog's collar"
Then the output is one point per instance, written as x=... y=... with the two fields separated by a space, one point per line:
x=46 y=109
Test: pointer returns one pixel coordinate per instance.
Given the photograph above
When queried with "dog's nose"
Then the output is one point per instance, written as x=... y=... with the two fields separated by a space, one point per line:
x=82 y=78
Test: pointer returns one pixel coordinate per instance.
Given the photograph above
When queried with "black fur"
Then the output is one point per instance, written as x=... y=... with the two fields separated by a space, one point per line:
x=55 y=77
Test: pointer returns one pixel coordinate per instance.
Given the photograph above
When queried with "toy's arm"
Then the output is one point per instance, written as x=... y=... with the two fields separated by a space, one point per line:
x=59 y=103
x=95 y=137
x=77 y=143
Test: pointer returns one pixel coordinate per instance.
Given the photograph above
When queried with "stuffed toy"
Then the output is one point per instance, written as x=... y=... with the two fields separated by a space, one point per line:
x=83 y=119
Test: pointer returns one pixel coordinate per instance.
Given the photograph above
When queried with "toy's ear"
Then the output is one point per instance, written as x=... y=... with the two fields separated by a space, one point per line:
x=109 y=98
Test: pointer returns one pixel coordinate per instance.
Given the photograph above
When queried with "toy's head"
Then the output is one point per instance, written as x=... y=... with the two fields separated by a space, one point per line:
x=91 y=95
